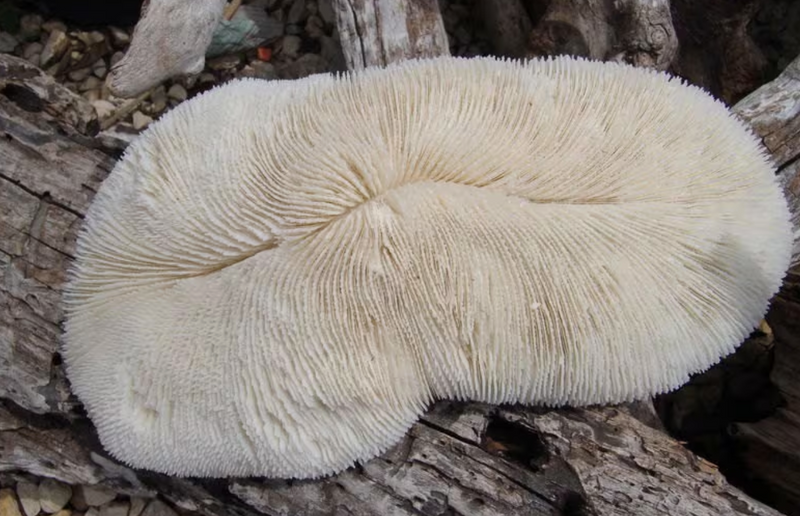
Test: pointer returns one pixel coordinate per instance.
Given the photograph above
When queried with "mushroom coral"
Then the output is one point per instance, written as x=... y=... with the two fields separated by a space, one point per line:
x=279 y=277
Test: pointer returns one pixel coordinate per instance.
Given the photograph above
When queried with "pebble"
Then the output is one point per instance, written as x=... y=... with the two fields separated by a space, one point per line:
x=104 y=109
x=116 y=57
x=79 y=74
x=92 y=512
x=115 y=509
x=7 y=43
x=227 y=62
x=119 y=37
x=90 y=83
x=99 y=68
x=297 y=12
x=260 y=70
x=206 y=78
x=51 y=25
x=8 y=503
x=140 y=120
x=30 y=27
x=91 y=38
x=137 y=506
x=32 y=49
x=158 y=98
x=326 y=11
x=158 y=508
x=63 y=512
x=291 y=46
x=94 y=496
x=53 y=495
x=57 y=44
x=315 y=27
x=308 y=64
x=177 y=92
x=294 y=30
x=29 y=498
x=331 y=51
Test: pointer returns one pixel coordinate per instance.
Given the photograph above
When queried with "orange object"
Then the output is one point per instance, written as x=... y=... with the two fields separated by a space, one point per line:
x=264 y=53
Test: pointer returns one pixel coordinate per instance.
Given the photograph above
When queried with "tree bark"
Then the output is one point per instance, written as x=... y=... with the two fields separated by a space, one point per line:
x=379 y=32
x=461 y=458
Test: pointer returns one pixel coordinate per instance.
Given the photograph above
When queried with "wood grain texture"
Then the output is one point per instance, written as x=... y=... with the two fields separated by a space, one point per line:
x=639 y=32
x=460 y=459
x=379 y=32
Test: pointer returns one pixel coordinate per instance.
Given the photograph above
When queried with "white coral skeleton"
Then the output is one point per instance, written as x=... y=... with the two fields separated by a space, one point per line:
x=279 y=277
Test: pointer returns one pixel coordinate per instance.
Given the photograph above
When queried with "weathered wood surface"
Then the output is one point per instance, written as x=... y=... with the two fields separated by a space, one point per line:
x=716 y=49
x=638 y=32
x=379 y=32
x=460 y=459
x=771 y=447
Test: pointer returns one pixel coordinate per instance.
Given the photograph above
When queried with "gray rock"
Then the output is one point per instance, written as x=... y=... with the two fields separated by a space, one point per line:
x=115 y=509
x=57 y=44
x=119 y=37
x=30 y=27
x=260 y=70
x=7 y=43
x=137 y=506
x=331 y=52
x=28 y=494
x=177 y=92
x=326 y=12
x=309 y=64
x=90 y=83
x=79 y=74
x=31 y=50
x=53 y=495
x=158 y=98
x=315 y=27
x=228 y=62
x=51 y=25
x=116 y=57
x=158 y=508
x=297 y=12
x=95 y=496
x=294 y=30
x=291 y=46
x=100 y=68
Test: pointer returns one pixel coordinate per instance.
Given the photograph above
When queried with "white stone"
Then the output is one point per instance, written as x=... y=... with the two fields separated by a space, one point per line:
x=57 y=44
x=53 y=495
x=140 y=120
x=104 y=109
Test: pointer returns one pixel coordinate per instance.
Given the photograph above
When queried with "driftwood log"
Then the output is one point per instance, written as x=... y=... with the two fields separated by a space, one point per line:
x=461 y=458
x=771 y=446
x=379 y=32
